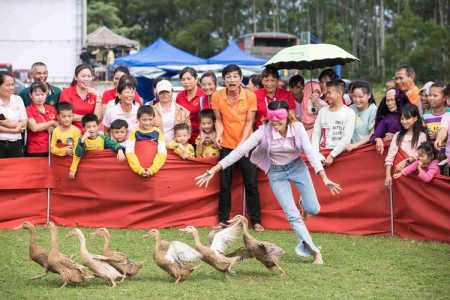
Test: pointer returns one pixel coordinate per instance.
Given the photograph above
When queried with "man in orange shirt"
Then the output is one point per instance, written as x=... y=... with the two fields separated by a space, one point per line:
x=235 y=109
x=405 y=79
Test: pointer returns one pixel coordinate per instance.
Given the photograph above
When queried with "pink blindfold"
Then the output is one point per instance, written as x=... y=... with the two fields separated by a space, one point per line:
x=277 y=115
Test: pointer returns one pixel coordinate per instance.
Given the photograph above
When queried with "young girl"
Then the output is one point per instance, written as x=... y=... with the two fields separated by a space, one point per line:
x=278 y=144
x=180 y=144
x=365 y=111
x=41 y=120
x=206 y=141
x=407 y=139
x=387 y=119
x=426 y=165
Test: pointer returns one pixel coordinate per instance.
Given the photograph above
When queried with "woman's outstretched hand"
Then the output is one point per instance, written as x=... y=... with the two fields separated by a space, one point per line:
x=203 y=180
x=332 y=186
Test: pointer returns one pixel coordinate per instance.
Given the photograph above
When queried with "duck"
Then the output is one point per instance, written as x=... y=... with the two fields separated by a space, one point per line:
x=118 y=260
x=98 y=264
x=266 y=253
x=213 y=255
x=176 y=258
x=69 y=271
x=37 y=254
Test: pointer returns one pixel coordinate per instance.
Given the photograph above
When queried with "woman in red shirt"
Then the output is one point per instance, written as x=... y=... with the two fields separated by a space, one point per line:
x=192 y=98
x=41 y=120
x=81 y=95
x=111 y=94
x=270 y=92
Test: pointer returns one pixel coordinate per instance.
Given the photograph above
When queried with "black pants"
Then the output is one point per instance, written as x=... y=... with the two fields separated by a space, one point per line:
x=11 y=149
x=249 y=174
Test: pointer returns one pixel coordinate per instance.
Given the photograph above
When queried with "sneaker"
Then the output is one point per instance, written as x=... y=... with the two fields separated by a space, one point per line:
x=258 y=227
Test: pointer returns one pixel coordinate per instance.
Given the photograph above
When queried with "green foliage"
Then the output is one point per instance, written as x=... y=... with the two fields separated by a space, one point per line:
x=417 y=32
x=355 y=268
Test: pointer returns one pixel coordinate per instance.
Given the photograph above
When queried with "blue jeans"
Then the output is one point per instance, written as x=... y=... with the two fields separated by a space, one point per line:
x=296 y=172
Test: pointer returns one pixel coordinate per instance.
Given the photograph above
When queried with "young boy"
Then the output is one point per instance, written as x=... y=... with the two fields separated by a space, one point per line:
x=180 y=143
x=438 y=104
x=146 y=132
x=91 y=141
x=333 y=128
x=119 y=131
x=205 y=144
x=65 y=134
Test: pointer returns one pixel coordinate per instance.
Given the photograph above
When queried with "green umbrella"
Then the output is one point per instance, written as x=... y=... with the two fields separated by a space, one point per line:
x=310 y=56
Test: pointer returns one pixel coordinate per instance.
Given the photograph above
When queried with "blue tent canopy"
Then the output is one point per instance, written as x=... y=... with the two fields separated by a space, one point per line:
x=232 y=54
x=158 y=54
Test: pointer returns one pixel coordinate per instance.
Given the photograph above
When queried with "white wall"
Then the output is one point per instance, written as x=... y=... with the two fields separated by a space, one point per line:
x=51 y=31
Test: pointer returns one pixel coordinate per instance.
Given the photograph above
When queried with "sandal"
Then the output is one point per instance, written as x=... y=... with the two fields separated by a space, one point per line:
x=258 y=227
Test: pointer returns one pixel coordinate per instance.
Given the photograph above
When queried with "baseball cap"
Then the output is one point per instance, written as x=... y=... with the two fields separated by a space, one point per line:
x=163 y=85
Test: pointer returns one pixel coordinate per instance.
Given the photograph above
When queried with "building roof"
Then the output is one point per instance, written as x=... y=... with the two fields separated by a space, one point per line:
x=104 y=37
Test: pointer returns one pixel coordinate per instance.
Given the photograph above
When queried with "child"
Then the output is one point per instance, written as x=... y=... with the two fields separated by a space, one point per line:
x=365 y=111
x=119 y=131
x=311 y=105
x=180 y=144
x=438 y=105
x=426 y=165
x=65 y=134
x=146 y=131
x=407 y=139
x=41 y=120
x=91 y=141
x=206 y=141
x=333 y=128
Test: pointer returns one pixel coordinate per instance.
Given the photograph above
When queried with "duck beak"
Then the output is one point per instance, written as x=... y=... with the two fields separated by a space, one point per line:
x=18 y=227
x=183 y=230
x=93 y=234
x=146 y=236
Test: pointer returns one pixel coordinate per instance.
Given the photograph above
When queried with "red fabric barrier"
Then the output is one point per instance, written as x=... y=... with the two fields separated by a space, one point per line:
x=106 y=193
x=422 y=210
x=361 y=208
x=23 y=190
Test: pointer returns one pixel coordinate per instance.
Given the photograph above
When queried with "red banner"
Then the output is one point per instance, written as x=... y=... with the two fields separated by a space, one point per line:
x=422 y=210
x=106 y=193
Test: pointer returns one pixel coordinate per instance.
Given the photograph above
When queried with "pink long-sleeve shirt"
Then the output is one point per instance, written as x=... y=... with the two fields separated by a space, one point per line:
x=405 y=146
x=426 y=174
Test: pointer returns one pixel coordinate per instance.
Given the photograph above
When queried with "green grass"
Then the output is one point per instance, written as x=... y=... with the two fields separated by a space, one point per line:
x=355 y=267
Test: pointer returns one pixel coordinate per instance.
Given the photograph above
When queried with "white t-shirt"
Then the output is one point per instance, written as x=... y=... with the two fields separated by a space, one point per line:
x=14 y=112
x=115 y=112
x=333 y=129
x=168 y=121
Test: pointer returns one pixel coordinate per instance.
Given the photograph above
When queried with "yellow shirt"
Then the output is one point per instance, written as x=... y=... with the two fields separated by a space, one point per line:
x=62 y=137
x=205 y=149
x=99 y=143
x=185 y=151
x=157 y=136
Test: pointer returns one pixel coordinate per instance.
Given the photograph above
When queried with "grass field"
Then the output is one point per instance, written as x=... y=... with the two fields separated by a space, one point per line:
x=355 y=267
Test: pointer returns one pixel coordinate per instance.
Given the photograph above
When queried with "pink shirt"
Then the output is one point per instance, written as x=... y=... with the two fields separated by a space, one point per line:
x=426 y=174
x=282 y=148
x=405 y=146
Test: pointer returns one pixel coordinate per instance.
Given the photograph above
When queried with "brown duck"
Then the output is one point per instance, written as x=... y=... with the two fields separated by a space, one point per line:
x=176 y=258
x=266 y=253
x=69 y=271
x=213 y=254
x=37 y=254
x=118 y=260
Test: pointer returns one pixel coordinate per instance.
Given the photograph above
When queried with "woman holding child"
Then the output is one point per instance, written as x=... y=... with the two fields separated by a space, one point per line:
x=167 y=112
